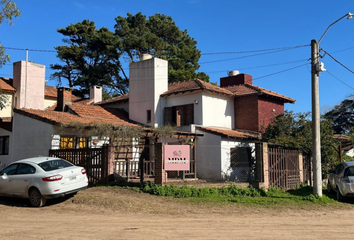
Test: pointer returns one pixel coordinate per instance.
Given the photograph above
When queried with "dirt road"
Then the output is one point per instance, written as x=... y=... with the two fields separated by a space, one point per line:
x=123 y=214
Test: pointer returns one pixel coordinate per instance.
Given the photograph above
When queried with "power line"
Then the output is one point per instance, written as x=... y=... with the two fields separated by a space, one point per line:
x=260 y=50
x=280 y=71
x=33 y=50
x=338 y=61
x=339 y=80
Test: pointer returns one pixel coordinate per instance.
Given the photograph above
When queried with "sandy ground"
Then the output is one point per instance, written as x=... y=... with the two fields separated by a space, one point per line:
x=98 y=213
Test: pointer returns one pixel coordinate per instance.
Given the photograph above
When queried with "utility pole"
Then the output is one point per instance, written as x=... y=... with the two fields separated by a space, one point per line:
x=316 y=140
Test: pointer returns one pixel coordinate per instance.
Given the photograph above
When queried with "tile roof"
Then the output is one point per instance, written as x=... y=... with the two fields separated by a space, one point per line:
x=5 y=86
x=247 y=89
x=79 y=113
x=52 y=93
x=228 y=133
x=121 y=98
x=194 y=85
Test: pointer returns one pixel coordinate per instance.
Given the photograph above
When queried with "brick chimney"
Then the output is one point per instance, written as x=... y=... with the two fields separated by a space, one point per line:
x=235 y=78
x=63 y=97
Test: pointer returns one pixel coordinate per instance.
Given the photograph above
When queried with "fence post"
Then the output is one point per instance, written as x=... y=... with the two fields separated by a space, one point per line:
x=141 y=169
x=265 y=165
x=128 y=168
x=160 y=173
x=301 y=167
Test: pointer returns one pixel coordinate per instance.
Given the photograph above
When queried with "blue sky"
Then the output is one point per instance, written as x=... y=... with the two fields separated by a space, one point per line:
x=221 y=26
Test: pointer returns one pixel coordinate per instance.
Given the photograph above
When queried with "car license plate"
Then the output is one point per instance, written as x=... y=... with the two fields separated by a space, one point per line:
x=72 y=178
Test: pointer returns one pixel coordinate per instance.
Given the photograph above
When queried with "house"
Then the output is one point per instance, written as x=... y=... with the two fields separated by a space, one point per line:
x=231 y=117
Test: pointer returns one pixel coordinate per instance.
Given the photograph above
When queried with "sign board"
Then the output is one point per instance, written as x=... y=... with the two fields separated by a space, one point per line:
x=177 y=157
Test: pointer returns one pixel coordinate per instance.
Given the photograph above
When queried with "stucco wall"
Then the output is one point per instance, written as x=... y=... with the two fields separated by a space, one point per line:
x=218 y=110
x=209 y=157
x=48 y=103
x=31 y=138
x=7 y=111
x=229 y=173
x=148 y=79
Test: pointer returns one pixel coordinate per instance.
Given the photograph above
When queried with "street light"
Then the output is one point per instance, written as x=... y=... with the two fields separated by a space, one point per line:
x=316 y=68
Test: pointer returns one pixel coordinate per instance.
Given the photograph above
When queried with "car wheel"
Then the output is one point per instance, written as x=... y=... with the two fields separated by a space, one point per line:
x=36 y=198
x=329 y=189
x=340 y=197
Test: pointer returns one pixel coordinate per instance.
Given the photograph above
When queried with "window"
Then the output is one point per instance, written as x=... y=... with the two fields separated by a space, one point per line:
x=148 y=116
x=73 y=142
x=25 y=169
x=4 y=145
x=180 y=115
x=10 y=170
x=240 y=157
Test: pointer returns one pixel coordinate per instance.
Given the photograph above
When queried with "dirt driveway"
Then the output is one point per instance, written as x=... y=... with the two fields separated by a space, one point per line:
x=103 y=213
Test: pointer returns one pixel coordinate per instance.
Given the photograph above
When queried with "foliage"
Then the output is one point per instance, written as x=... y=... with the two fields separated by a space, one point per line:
x=160 y=37
x=90 y=59
x=232 y=193
x=117 y=134
x=164 y=131
x=342 y=116
x=295 y=131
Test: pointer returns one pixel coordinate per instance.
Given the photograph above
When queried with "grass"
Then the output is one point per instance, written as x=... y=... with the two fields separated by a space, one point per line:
x=302 y=196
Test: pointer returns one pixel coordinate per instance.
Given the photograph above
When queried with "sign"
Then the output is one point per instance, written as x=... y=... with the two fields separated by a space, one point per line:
x=177 y=157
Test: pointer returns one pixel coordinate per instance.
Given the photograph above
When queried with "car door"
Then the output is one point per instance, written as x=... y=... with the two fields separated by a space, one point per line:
x=23 y=179
x=337 y=176
x=6 y=176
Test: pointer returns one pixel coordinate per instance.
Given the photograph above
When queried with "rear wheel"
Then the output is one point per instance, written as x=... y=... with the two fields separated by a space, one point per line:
x=340 y=197
x=36 y=198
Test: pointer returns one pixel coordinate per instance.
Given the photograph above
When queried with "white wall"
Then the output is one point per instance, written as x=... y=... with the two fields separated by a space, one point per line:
x=31 y=138
x=7 y=110
x=233 y=174
x=148 y=79
x=184 y=99
x=48 y=103
x=218 y=111
x=208 y=157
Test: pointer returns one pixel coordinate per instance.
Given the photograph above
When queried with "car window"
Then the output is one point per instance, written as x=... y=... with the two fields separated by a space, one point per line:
x=349 y=171
x=339 y=168
x=26 y=169
x=10 y=170
x=54 y=165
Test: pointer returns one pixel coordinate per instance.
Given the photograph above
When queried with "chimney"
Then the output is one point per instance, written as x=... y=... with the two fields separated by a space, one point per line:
x=96 y=93
x=235 y=78
x=63 y=98
x=29 y=81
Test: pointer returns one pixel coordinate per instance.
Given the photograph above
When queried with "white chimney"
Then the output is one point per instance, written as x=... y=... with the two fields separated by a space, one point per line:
x=96 y=93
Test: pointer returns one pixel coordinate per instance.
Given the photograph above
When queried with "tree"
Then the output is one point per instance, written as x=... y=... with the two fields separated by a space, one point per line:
x=342 y=116
x=8 y=11
x=295 y=131
x=92 y=58
x=160 y=37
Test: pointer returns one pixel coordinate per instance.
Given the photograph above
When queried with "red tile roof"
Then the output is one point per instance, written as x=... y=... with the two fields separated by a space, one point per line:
x=194 y=85
x=80 y=113
x=247 y=89
x=228 y=133
x=5 y=86
x=121 y=98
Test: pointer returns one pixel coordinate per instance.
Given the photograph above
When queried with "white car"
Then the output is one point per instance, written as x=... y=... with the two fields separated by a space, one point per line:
x=341 y=180
x=42 y=178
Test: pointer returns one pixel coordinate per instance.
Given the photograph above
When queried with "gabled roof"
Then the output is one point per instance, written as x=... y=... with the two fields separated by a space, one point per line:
x=5 y=86
x=228 y=133
x=52 y=93
x=247 y=89
x=78 y=113
x=117 y=99
x=194 y=85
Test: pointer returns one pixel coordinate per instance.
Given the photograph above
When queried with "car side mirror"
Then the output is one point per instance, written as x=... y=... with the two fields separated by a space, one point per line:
x=4 y=176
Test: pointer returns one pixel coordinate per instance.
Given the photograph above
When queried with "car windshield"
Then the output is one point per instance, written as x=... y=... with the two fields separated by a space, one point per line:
x=54 y=165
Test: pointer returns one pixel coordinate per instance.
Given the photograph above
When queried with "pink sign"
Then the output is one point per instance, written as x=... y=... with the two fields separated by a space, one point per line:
x=177 y=157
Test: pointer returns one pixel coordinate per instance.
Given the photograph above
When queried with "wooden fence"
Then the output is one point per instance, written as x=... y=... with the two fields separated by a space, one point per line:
x=284 y=169
x=94 y=160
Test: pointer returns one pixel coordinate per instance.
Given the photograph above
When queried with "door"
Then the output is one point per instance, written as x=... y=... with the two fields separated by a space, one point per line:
x=6 y=176
x=22 y=180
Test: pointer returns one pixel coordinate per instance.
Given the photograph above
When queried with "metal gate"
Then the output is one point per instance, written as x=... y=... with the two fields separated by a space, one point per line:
x=283 y=168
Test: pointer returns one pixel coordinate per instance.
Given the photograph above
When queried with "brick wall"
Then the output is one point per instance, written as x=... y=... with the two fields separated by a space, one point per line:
x=246 y=112
x=267 y=109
